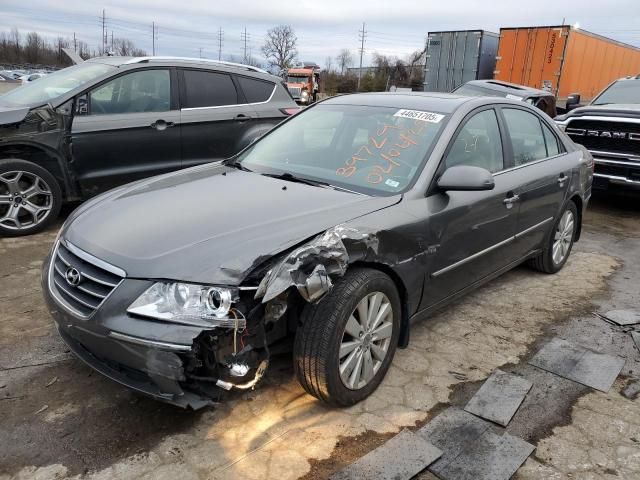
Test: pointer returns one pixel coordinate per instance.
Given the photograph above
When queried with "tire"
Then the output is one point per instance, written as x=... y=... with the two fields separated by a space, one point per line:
x=31 y=213
x=324 y=329
x=545 y=261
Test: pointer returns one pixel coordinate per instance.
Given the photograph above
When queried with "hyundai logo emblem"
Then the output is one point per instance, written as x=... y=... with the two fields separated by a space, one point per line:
x=72 y=276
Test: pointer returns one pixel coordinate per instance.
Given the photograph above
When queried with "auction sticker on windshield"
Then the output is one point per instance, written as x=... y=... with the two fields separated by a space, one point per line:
x=419 y=115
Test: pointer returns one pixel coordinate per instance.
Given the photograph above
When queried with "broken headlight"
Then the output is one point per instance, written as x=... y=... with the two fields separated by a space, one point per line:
x=186 y=303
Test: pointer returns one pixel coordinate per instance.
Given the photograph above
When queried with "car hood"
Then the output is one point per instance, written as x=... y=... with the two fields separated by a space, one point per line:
x=211 y=224
x=612 y=110
x=10 y=115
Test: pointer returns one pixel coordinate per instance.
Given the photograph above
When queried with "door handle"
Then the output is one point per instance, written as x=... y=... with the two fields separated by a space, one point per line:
x=562 y=178
x=510 y=200
x=161 y=125
x=241 y=117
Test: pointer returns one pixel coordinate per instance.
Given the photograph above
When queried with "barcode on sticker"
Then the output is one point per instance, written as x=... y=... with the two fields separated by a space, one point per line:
x=392 y=183
x=418 y=115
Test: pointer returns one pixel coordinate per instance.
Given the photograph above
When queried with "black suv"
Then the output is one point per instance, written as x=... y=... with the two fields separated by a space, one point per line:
x=112 y=120
x=609 y=127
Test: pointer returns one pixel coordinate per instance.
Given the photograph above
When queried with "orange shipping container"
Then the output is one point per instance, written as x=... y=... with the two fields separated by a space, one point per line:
x=563 y=59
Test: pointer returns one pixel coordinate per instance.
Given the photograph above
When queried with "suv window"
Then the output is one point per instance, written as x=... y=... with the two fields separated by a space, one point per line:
x=551 y=141
x=255 y=91
x=526 y=136
x=478 y=143
x=142 y=91
x=208 y=89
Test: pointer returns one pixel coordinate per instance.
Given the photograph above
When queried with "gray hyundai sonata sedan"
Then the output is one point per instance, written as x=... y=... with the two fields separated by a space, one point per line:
x=338 y=228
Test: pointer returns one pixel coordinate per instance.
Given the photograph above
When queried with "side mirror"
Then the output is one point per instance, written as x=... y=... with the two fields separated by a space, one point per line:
x=573 y=101
x=466 y=178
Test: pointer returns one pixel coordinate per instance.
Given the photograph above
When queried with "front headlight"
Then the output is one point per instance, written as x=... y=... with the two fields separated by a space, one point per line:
x=305 y=94
x=186 y=303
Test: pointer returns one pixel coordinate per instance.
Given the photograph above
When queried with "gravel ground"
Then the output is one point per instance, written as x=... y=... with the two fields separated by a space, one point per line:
x=59 y=419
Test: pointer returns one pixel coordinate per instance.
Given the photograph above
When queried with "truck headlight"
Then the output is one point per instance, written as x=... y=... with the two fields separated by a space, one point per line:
x=185 y=303
x=305 y=94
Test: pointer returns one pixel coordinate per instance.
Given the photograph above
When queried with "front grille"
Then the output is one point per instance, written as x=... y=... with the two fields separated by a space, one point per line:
x=605 y=144
x=295 y=91
x=95 y=280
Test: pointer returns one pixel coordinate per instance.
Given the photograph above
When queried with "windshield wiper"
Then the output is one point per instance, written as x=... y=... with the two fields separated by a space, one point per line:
x=236 y=164
x=290 y=177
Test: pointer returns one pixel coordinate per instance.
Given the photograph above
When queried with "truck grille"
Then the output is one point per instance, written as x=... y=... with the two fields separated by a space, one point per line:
x=80 y=280
x=295 y=91
x=589 y=133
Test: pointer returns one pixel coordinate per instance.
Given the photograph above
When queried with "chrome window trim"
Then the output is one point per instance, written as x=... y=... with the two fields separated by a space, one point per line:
x=150 y=343
x=490 y=249
x=535 y=162
x=232 y=105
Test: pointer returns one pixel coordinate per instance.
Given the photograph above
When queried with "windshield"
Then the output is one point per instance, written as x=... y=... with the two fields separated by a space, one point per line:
x=56 y=84
x=294 y=79
x=624 y=91
x=368 y=149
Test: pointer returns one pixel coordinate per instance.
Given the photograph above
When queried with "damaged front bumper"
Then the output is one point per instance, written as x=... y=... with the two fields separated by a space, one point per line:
x=160 y=359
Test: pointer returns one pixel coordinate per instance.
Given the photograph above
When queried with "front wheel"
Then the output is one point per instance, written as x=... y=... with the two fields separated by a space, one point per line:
x=30 y=198
x=559 y=243
x=347 y=341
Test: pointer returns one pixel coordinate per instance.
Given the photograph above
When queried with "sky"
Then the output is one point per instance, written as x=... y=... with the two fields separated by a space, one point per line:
x=323 y=27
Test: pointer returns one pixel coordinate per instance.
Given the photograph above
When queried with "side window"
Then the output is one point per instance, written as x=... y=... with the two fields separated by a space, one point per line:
x=526 y=136
x=551 y=141
x=208 y=89
x=255 y=91
x=478 y=143
x=137 y=92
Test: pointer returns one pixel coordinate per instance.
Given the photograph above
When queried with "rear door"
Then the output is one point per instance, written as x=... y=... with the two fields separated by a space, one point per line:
x=125 y=129
x=214 y=116
x=542 y=168
x=471 y=233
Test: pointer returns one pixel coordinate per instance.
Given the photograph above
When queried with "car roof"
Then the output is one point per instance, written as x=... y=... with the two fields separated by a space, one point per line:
x=231 y=67
x=507 y=87
x=438 y=102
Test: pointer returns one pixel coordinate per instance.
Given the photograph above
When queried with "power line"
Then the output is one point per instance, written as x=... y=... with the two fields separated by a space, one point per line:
x=244 y=37
x=362 y=35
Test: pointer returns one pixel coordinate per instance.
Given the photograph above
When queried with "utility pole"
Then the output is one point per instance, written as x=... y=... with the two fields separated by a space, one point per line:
x=362 y=34
x=112 y=40
x=220 y=38
x=153 y=35
x=244 y=36
x=75 y=44
x=200 y=52
x=104 y=33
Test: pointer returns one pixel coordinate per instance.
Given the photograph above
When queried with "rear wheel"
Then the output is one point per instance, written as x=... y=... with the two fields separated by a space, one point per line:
x=346 y=342
x=30 y=198
x=559 y=244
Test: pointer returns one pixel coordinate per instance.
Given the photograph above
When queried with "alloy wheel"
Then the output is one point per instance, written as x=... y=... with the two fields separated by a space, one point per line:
x=366 y=340
x=563 y=237
x=25 y=200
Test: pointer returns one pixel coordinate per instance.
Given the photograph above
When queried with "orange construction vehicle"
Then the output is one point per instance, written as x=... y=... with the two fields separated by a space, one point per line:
x=303 y=83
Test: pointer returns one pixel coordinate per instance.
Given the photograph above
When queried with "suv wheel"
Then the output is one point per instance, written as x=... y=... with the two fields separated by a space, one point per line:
x=30 y=198
x=347 y=341
x=559 y=242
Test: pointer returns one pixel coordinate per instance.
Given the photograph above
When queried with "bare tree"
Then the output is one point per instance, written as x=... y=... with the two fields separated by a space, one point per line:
x=328 y=64
x=344 y=60
x=280 y=47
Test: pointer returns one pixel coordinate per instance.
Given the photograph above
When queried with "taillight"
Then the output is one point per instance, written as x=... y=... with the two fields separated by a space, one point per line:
x=290 y=111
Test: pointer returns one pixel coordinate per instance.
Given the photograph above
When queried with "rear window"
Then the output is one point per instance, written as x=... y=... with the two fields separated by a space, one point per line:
x=624 y=91
x=255 y=91
x=208 y=89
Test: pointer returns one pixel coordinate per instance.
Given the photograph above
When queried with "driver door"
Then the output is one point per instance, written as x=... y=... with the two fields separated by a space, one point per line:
x=126 y=129
x=471 y=233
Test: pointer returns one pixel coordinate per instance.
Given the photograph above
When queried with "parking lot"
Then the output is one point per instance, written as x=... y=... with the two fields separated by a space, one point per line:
x=60 y=419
